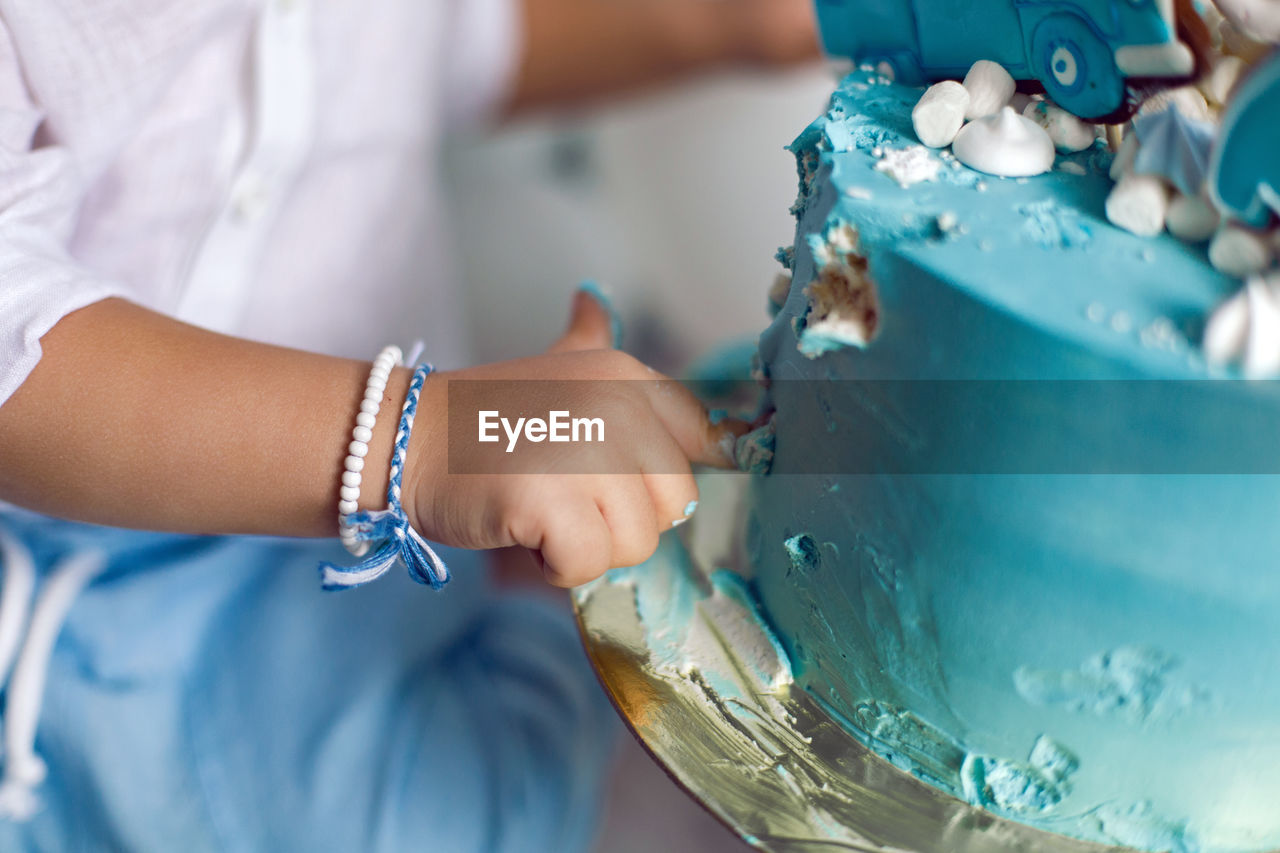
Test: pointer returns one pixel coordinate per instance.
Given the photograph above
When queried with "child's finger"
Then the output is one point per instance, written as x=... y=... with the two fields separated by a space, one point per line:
x=575 y=543
x=690 y=425
x=627 y=508
x=590 y=326
x=675 y=496
x=670 y=482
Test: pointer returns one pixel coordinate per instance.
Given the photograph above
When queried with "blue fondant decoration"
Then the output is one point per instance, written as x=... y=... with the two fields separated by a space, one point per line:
x=1245 y=174
x=1077 y=50
x=1175 y=148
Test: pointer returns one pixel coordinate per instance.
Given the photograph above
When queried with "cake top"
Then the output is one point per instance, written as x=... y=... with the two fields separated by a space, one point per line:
x=1039 y=248
x=1198 y=160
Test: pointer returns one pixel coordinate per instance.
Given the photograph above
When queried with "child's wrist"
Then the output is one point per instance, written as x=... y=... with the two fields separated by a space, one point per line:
x=390 y=533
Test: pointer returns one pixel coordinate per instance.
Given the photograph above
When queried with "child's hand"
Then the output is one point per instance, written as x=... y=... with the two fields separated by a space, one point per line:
x=775 y=32
x=577 y=525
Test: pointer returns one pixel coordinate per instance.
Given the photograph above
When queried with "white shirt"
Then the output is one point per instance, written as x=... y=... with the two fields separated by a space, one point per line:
x=264 y=168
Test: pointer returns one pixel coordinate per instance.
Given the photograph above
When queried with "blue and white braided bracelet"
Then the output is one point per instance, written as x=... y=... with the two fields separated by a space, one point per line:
x=389 y=528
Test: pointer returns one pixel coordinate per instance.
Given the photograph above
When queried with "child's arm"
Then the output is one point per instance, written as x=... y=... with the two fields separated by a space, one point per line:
x=577 y=49
x=137 y=420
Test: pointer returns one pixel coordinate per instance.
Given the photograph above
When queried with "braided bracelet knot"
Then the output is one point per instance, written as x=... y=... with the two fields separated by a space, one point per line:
x=389 y=529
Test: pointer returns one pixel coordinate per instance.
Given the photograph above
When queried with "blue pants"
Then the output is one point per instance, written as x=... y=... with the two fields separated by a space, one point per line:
x=205 y=694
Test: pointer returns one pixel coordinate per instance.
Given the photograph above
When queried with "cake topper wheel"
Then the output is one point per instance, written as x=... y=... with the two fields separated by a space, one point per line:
x=1076 y=68
x=771 y=764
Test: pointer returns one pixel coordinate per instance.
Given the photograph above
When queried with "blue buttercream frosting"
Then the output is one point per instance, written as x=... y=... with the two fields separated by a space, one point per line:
x=1092 y=654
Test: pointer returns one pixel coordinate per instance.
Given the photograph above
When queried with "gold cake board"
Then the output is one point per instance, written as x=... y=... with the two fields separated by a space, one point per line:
x=772 y=765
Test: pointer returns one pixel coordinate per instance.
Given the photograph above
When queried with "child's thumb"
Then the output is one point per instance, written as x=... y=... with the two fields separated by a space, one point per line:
x=592 y=324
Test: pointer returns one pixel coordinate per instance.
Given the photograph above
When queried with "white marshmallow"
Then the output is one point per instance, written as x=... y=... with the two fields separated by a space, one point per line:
x=1227 y=330
x=1212 y=20
x=1192 y=218
x=990 y=88
x=1021 y=100
x=939 y=114
x=1239 y=251
x=1237 y=43
x=1246 y=328
x=1139 y=204
x=1069 y=134
x=1217 y=85
x=1258 y=19
x=1262 y=352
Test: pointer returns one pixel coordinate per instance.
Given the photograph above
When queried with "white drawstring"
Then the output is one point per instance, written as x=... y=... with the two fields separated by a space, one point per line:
x=23 y=769
x=15 y=598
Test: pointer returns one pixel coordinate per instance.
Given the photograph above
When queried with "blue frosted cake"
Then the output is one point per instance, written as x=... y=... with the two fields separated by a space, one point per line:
x=1059 y=628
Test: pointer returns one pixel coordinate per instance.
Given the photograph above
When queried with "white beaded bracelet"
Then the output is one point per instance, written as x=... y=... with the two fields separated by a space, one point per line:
x=358 y=449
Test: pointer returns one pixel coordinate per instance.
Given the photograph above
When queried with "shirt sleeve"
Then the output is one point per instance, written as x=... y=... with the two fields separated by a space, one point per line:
x=41 y=188
x=482 y=57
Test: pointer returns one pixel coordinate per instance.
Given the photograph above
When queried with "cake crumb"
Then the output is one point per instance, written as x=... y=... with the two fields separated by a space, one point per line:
x=753 y=452
x=844 y=308
x=778 y=292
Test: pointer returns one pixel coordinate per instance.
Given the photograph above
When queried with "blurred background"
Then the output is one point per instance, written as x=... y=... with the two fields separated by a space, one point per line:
x=676 y=202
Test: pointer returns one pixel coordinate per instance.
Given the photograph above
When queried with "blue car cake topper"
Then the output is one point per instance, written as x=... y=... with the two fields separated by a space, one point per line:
x=1244 y=177
x=1085 y=53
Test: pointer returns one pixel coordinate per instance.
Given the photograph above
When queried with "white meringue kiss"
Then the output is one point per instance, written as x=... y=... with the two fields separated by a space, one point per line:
x=1005 y=144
